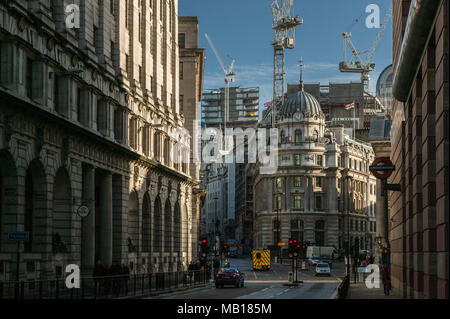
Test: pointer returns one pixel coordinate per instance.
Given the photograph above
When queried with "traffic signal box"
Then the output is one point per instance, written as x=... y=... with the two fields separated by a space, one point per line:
x=296 y=249
x=204 y=249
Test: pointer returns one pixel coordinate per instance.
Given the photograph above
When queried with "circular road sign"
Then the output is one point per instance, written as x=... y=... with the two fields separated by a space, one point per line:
x=83 y=211
x=382 y=167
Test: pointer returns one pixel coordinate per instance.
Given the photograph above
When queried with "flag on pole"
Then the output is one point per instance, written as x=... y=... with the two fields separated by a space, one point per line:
x=268 y=104
x=350 y=106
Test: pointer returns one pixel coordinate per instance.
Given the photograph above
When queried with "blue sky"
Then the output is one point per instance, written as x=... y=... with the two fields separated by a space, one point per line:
x=242 y=29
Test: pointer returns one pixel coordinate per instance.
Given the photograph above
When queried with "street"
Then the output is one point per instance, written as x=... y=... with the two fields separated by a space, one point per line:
x=269 y=284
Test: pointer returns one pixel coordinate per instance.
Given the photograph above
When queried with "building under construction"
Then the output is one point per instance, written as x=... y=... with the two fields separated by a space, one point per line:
x=333 y=98
x=243 y=108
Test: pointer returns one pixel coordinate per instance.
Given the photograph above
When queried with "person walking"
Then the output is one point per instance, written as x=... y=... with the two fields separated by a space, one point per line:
x=386 y=278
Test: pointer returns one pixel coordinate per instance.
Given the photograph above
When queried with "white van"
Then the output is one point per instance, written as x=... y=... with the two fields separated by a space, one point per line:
x=318 y=251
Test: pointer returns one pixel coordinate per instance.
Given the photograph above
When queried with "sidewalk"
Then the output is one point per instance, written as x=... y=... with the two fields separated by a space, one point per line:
x=360 y=291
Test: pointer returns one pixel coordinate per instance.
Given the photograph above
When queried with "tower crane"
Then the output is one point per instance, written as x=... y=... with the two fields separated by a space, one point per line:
x=229 y=77
x=284 y=38
x=359 y=66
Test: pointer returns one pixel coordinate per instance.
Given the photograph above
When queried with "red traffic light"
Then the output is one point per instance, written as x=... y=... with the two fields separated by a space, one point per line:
x=290 y=242
x=295 y=240
x=304 y=246
x=204 y=241
x=225 y=246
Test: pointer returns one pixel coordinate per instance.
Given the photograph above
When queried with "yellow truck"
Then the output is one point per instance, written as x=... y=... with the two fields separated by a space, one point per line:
x=261 y=259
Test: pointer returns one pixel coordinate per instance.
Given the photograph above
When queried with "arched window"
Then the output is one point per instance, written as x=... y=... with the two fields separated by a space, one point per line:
x=177 y=229
x=146 y=224
x=298 y=136
x=168 y=226
x=133 y=223
x=320 y=233
x=157 y=224
x=297 y=229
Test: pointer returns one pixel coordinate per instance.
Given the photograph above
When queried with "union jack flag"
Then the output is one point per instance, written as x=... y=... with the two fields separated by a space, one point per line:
x=350 y=106
x=268 y=104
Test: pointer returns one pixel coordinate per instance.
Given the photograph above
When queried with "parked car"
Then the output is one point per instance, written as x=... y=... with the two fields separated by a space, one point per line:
x=323 y=269
x=229 y=276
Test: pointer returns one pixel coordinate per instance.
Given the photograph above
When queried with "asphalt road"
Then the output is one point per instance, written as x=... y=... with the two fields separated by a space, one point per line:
x=269 y=284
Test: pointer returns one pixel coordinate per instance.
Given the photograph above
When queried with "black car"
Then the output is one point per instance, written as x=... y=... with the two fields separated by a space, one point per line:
x=229 y=276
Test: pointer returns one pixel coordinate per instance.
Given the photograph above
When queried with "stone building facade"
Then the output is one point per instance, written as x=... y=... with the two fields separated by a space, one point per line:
x=304 y=199
x=86 y=118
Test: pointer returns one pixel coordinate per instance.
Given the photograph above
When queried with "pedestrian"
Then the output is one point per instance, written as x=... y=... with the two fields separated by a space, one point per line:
x=386 y=278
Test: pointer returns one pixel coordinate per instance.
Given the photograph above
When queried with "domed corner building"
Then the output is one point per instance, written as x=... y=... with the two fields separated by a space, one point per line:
x=304 y=199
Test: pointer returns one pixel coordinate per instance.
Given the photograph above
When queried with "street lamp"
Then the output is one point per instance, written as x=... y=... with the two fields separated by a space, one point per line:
x=347 y=196
x=215 y=225
x=278 y=224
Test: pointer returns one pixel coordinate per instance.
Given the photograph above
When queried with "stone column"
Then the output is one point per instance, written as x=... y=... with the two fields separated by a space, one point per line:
x=88 y=223
x=106 y=218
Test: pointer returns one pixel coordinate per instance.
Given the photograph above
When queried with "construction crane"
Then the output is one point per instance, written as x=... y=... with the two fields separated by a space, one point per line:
x=359 y=66
x=229 y=77
x=284 y=27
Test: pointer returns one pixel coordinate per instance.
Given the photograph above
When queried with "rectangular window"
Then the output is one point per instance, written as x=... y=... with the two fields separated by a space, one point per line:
x=139 y=28
x=181 y=100
x=298 y=203
x=79 y=107
x=181 y=70
x=279 y=182
x=297 y=181
x=319 y=202
x=118 y=124
x=29 y=78
x=318 y=181
x=278 y=202
x=181 y=40
x=111 y=6
x=297 y=161
x=319 y=160
x=127 y=64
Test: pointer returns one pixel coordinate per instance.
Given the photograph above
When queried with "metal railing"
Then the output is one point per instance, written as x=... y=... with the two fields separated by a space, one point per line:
x=104 y=287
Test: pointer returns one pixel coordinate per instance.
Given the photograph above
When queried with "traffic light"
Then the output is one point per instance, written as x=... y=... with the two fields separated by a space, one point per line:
x=204 y=248
x=297 y=249
x=291 y=248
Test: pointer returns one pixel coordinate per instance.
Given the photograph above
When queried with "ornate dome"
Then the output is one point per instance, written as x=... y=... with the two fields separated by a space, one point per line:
x=301 y=102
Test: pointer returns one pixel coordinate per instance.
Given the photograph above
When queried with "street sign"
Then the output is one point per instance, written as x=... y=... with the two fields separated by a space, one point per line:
x=281 y=244
x=382 y=167
x=21 y=235
x=83 y=211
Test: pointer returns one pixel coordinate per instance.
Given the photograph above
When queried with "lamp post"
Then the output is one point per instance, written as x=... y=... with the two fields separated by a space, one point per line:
x=348 y=178
x=278 y=210
x=215 y=225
